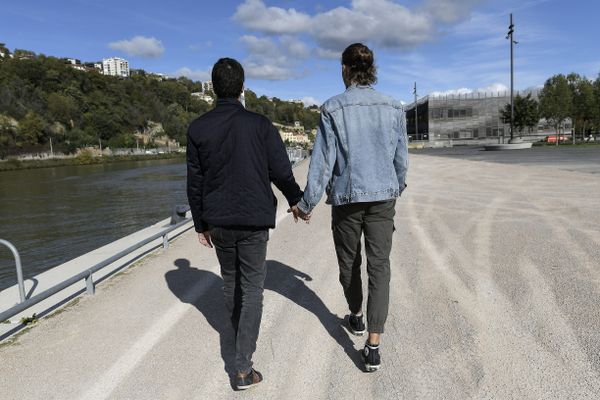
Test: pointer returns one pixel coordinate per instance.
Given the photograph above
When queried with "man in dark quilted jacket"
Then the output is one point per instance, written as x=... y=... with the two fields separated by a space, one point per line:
x=233 y=156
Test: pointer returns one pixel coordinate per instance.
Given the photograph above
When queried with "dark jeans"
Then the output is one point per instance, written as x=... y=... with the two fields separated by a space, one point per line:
x=242 y=254
x=376 y=221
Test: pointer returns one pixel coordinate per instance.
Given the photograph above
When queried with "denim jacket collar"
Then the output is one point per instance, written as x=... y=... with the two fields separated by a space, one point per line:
x=357 y=86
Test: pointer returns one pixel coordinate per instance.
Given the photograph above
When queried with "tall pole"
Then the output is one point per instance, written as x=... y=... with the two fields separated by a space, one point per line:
x=51 y=149
x=510 y=36
x=416 y=114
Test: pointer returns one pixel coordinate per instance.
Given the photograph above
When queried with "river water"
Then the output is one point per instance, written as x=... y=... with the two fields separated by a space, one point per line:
x=53 y=215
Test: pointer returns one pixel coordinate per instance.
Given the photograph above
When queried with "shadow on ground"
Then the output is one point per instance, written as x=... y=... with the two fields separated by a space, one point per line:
x=281 y=279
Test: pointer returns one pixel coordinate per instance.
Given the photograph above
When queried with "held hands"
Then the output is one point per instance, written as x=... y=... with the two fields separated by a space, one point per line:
x=204 y=239
x=298 y=213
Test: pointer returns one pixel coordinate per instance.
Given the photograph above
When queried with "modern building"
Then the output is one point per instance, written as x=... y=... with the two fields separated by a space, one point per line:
x=115 y=66
x=463 y=117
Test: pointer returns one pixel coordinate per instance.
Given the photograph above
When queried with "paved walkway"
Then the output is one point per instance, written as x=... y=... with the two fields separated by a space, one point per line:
x=495 y=295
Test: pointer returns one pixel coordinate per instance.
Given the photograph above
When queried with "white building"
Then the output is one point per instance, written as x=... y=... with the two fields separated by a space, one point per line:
x=204 y=97
x=115 y=66
x=207 y=86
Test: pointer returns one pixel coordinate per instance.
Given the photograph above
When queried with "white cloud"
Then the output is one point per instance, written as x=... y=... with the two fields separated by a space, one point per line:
x=255 y=15
x=330 y=54
x=268 y=72
x=384 y=23
x=450 y=10
x=139 y=46
x=493 y=88
x=381 y=22
x=196 y=75
x=271 y=59
x=310 y=101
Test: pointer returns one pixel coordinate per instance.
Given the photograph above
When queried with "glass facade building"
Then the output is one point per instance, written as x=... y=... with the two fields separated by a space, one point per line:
x=456 y=117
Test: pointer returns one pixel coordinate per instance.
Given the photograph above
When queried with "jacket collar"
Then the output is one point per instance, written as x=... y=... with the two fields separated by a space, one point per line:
x=356 y=86
x=229 y=102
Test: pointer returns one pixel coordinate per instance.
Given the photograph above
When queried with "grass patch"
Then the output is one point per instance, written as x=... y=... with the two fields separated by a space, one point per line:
x=84 y=158
x=29 y=320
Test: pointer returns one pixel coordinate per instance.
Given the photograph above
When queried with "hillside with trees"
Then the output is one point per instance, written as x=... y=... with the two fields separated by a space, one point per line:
x=43 y=98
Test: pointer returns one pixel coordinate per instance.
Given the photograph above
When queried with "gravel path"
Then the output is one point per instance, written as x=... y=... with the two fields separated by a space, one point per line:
x=495 y=295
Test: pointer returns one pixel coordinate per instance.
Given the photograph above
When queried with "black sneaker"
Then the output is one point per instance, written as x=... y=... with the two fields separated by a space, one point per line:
x=371 y=357
x=251 y=379
x=356 y=324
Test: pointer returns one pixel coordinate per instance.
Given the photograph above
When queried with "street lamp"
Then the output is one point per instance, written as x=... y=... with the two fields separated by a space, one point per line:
x=416 y=114
x=511 y=36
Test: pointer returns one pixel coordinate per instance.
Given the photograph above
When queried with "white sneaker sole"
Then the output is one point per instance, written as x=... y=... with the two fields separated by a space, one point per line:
x=371 y=368
x=356 y=333
x=247 y=386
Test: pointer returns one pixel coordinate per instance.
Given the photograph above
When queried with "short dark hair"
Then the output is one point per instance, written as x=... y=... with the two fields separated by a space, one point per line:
x=360 y=64
x=228 y=78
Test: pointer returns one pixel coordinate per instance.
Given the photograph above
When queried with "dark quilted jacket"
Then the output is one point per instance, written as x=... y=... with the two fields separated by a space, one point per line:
x=233 y=155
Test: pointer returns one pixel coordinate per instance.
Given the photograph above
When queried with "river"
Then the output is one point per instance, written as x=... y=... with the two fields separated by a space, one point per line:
x=53 y=215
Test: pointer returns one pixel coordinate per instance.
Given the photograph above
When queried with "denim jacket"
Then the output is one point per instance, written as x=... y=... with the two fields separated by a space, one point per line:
x=360 y=152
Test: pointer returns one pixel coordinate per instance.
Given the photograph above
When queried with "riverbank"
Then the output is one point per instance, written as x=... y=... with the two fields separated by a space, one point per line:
x=14 y=164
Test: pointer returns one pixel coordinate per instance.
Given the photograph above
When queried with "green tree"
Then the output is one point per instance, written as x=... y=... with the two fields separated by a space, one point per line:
x=62 y=109
x=584 y=103
x=556 y=101
x=4 y=49
x=32 y=128
x=596 y=118
x=527 y=113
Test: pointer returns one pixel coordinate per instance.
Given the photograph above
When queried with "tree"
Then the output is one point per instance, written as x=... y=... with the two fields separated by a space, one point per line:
x=32 y=128
x=527 y=113
x=4 y=50
x=556 y=101
x=62 y=109
x=585 y=105
x=596 y=118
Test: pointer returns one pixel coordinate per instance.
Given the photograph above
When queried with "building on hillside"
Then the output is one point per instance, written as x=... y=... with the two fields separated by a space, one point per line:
x=207 y=86
x=75 y=64
x=115 y=66
x=292 y=137
x=464 y=117
x=292 y=134
x=203 y=97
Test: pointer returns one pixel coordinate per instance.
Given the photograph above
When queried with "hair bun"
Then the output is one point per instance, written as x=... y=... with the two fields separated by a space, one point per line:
x=363 y=63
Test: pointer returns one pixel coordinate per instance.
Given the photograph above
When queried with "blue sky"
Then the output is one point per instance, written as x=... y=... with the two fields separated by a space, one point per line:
x=290 y=49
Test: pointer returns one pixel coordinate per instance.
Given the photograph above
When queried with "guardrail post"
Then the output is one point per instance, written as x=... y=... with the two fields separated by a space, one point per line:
x=90 y=287
x=166 y=241
x=20 y=281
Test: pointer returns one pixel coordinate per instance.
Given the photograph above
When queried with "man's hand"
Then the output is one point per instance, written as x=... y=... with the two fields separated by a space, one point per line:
x=298 y=213
x=204 y=239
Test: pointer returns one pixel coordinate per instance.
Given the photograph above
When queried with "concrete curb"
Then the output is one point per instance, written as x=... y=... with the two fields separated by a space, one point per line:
x=507 y=146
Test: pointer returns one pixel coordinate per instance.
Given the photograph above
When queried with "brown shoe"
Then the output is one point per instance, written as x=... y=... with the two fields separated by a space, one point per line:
x=246 y=381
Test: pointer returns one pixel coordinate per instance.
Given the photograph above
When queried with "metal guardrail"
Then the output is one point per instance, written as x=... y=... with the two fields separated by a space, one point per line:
x=87 y=275
x=20 y=281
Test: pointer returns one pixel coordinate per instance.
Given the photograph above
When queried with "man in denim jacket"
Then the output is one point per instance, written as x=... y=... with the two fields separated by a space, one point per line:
x=360 y=159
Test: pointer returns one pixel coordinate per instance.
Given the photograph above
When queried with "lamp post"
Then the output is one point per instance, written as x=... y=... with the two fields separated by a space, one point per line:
x=416 y=114
x=510 y=36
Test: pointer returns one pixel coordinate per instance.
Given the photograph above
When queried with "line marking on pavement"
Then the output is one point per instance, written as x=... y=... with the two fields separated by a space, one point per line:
x=111 y=379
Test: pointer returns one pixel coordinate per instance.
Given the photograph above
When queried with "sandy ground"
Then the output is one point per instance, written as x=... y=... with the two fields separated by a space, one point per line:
x=495 y=295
